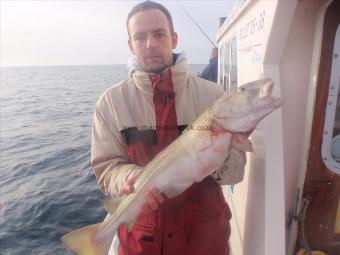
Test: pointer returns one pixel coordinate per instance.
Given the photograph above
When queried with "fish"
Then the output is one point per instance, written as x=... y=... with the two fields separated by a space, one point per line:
x=199 y=151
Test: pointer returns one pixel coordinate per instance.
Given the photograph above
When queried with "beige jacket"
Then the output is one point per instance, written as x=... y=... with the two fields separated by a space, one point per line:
x=130 y=104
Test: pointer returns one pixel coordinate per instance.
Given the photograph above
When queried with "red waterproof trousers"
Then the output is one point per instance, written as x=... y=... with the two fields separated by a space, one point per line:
x=195 y=222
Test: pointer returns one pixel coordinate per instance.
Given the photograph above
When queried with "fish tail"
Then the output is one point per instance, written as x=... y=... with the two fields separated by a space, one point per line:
x=84 y=241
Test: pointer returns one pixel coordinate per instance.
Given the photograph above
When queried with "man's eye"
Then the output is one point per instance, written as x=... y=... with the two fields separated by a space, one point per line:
x=139 y=38
x=160 y=35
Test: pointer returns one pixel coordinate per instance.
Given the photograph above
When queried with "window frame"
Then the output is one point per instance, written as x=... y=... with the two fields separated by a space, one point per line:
x=228 y=53
x=333 y=97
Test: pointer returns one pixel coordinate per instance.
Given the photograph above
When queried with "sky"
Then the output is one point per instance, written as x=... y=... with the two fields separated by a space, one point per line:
x=39 y=33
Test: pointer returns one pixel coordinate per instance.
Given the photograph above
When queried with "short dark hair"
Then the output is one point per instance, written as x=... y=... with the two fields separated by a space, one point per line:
x=148 y=5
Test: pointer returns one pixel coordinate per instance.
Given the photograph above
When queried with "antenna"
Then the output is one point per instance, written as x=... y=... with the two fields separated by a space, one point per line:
x=192 y=19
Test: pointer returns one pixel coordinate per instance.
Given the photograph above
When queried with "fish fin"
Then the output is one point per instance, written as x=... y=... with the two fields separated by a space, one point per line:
x=108 y=226
x=241 y=143
x=267 y=89
x=111 y=205
x=84 y=241
x=129 y=225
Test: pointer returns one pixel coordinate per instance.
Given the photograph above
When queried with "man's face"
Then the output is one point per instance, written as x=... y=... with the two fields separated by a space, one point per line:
x=151 y=40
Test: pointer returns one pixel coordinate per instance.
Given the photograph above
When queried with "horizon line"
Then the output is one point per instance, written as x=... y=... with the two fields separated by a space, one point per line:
x=60 y=65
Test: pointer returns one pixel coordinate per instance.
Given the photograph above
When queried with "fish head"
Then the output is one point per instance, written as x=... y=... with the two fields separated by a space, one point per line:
x=241 y=111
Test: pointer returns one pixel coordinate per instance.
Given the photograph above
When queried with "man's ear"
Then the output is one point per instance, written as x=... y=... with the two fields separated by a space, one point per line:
x=130 y=46
x=174 y=40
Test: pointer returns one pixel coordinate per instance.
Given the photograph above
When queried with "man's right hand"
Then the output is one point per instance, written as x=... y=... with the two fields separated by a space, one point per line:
x=153 y=198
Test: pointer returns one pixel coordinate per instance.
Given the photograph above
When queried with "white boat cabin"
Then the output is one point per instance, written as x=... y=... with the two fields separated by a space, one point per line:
x=295 y=168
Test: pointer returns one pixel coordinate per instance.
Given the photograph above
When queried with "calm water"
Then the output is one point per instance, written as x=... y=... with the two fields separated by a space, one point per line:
x=47 y=187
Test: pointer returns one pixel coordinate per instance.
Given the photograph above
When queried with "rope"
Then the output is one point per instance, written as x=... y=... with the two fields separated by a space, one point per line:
x=300 y=219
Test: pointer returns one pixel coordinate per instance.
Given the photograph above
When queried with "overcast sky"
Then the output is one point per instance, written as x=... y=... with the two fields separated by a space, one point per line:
x=94 y=32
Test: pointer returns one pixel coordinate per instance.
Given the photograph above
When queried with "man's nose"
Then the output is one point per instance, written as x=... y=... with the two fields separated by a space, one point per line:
x=150 y=42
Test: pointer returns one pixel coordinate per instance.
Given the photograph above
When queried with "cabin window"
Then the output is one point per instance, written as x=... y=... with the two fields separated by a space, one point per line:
x=228 y=65
x=220 y=66
x=331 y=134
x=233 y=66
x=226 y=68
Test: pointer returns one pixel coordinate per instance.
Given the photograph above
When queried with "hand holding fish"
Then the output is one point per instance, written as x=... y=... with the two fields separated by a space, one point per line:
x=152 y=197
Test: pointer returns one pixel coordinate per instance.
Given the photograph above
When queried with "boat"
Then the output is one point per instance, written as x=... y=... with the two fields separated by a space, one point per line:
x=289 y=200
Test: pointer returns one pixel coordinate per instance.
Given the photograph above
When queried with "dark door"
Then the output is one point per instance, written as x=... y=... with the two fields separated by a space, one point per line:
x=322 y=180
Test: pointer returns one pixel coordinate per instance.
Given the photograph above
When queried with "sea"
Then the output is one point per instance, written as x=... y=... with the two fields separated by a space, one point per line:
x=47 y=187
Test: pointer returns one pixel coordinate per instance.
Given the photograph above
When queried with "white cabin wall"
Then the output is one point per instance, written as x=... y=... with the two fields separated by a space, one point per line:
x=295 y=69
x=286 y=50
x=257 y=203
x=274 y=137
x=247 y=201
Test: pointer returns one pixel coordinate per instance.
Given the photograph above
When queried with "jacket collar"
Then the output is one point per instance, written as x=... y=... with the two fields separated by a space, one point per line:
x=142 y=81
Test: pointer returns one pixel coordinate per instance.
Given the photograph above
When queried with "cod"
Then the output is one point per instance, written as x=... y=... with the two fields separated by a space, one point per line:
x=194 y=155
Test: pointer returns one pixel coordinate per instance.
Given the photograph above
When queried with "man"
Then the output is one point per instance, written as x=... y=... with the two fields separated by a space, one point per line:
x=160 y=93
x=210 y=71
